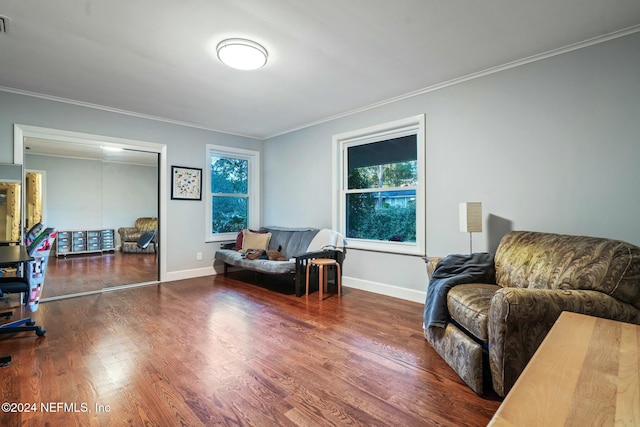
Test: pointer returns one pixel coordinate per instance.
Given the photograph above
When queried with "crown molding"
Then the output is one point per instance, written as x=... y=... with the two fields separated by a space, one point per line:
x=119 y=111
x=472 y=76
x=432 y=88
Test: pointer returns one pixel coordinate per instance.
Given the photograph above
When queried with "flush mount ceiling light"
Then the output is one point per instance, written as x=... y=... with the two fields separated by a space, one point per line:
x=242 y=54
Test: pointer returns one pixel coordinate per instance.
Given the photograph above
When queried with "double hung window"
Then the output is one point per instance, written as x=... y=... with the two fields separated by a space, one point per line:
x=233 y=191
x=380 y=196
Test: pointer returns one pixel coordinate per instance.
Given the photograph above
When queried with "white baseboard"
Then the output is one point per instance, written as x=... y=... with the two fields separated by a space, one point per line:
x=189 y=274
x=349 y=282
x=384 y=289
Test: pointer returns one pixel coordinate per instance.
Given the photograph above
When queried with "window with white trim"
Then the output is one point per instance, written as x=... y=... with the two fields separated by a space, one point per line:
x=233 y=191
x=379 y=196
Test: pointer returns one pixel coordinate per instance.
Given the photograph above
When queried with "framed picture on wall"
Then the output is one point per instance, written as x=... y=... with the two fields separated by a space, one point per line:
x=186 y=183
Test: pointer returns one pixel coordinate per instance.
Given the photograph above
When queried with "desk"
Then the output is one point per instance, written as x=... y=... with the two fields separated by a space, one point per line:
x=585 y=372
x=11 y=255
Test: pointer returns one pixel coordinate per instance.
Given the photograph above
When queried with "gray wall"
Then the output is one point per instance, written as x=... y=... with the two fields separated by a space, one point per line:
x=552 y=146
x=185 y=147
x=91 y=194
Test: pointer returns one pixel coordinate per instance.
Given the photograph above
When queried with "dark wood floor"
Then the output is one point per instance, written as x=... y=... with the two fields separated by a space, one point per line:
x=220 y=351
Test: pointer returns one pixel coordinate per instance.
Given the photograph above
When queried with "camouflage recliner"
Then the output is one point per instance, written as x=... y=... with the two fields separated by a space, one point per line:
x=496 y=328
x=129 y=235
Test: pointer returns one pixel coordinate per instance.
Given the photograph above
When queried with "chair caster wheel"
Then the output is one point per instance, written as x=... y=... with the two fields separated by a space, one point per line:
x=30 y=323
x=40 y=332
x=5 y=360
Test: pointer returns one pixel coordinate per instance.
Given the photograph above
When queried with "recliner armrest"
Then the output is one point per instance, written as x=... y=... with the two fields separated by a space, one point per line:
x=432 y=262
x=520 y=318
x=129 y=234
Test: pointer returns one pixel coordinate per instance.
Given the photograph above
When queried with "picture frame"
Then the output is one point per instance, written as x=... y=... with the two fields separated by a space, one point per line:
x=186 y=183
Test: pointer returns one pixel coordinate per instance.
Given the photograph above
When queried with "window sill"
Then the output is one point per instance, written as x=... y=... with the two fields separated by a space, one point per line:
x=397 y=248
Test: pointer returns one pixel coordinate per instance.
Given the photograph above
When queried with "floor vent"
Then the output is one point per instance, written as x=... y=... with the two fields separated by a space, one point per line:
x=4 y=24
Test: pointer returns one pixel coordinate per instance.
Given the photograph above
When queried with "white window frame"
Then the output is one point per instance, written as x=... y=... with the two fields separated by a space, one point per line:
x=341 y=142
x=253 y=157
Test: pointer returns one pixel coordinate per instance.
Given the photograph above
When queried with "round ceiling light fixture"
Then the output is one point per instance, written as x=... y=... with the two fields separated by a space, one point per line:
x=242 y=54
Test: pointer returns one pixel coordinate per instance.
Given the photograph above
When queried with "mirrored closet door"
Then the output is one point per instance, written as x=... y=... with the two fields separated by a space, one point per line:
x=93 y=195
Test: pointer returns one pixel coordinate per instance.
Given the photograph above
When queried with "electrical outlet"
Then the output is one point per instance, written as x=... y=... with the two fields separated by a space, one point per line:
x=199 y=256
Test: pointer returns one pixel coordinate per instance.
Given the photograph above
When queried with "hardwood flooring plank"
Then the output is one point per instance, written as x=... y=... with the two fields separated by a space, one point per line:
x=93 y=272
x=220 y=351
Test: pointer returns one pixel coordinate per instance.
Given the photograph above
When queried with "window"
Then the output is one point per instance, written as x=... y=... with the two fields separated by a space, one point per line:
x=233 y=191
x=379 y=199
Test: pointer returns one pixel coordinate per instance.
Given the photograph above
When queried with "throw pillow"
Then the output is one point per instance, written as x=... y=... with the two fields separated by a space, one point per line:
x=240 y=236
x=252 y=240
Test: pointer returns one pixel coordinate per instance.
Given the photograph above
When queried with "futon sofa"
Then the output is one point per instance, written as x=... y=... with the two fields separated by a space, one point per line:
x=295 y=247
x=495 y=325
x=129 y=235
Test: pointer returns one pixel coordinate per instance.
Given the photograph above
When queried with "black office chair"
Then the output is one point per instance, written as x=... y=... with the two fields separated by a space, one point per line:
x=30 y=284
x=22 y=325
x=146 y=239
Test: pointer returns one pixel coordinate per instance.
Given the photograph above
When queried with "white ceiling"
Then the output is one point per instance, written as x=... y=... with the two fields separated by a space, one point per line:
x=326 y=57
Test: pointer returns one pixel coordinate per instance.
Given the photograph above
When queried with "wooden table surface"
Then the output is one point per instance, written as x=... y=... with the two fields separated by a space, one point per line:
x=585 y=373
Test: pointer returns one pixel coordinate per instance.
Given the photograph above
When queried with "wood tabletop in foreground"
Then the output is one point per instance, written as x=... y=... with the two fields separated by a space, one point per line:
x=585 y=373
